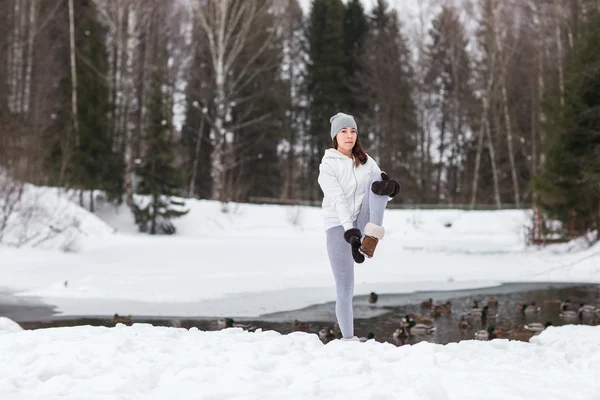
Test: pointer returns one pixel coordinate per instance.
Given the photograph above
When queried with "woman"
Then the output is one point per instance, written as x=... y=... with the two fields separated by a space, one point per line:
x=355 y=192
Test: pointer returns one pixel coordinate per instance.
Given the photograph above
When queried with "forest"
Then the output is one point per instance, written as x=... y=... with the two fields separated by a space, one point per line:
x=478 y=104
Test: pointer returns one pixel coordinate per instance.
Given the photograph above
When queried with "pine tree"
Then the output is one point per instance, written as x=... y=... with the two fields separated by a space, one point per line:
x=389 y=79
x=568 y=188
x=94 y=166
x=158 y=178
x=196 y=129
x=448 y=81
x=258 y=172
x=325 y=81
x=356 y=28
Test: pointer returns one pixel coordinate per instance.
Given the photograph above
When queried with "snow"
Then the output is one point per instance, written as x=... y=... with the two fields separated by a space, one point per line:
x=45 y=218
x=148 y=362
x=7 y=326
x=259 y=259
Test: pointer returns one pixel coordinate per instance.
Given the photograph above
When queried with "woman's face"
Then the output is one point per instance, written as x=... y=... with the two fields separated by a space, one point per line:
x=346 y=139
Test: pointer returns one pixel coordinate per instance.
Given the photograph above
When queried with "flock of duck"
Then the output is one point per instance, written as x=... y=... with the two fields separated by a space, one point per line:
x=488 y=314
x=480 y=320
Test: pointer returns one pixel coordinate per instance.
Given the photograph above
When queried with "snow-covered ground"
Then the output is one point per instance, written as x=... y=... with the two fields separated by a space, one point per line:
x=145 y=362
x=258 y=259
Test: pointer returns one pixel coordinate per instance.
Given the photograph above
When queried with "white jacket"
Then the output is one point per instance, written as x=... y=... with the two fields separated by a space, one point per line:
x=343 y=186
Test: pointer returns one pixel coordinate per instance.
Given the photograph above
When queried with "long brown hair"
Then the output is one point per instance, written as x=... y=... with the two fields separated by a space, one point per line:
x=358 y=154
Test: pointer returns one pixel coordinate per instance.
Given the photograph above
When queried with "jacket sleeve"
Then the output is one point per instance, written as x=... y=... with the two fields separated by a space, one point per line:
x=331 y=187
x=375 y=167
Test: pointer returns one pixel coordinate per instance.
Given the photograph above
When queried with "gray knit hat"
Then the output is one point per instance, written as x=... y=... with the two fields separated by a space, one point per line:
x=339 y=121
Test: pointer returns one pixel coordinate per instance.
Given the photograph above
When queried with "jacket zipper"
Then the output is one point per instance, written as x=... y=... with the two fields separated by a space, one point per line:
x=355 y=188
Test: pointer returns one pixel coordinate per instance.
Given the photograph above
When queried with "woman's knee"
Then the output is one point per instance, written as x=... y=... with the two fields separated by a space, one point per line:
x=376 y=176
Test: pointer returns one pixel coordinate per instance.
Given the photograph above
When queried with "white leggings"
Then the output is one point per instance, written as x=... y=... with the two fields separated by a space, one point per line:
x=340 y=255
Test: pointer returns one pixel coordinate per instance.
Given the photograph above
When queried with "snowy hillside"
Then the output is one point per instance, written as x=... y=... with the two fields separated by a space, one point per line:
x=145 y=362
x=258 y=259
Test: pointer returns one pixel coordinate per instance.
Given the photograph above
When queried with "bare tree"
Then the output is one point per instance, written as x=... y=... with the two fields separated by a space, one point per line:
x=488 y=70
x=73 y=70
x=229 y=26
x=504 y=60
x=290 y=26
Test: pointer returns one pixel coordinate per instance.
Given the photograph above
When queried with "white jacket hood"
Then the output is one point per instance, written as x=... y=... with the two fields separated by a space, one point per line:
x=344 y=186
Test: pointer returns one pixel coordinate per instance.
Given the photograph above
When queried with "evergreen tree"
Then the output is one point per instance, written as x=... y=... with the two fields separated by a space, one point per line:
x=448 y=82
x=198 y=145
x=356 y=28
x=568 y=188
x=325 y=81
x=158 y=178
x=258 y=172
x=95 y=165
x=389 y=78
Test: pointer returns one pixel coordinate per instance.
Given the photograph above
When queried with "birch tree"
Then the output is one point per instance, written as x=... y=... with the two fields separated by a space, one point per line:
x=229 y=25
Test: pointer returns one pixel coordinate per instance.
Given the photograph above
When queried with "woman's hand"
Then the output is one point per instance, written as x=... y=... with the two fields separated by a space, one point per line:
x=386 y=187
x=353 y=236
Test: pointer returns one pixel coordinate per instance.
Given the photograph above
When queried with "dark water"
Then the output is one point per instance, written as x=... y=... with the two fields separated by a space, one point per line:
x=385 y=317
x=16 y=308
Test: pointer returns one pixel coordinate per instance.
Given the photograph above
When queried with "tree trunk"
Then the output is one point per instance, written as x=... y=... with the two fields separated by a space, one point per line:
x=30 y=38
x=493 y=164
x=484 y=124
x=92 y=200
x=16 y=55
x=541 y=118
x=191 y=191
x=438 y=182
x=534 y=134
x=475 y=183
x=559 y=58
x=507 y=119
x=73 y=72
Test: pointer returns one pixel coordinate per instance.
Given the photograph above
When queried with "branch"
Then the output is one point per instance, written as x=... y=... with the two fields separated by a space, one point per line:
x=251 y=122
x=241 y=38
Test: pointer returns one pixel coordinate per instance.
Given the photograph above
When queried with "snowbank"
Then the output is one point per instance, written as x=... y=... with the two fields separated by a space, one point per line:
x=7 y=325
x=158 y=363
x=46 y=218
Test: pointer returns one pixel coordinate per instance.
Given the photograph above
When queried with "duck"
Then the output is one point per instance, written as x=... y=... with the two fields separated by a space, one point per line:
x=369 y=336
x=224 y=323
x=441 y=309
x=400 y=334
x=487 y=334
x=565 y=305
x=118 y=319
x=537 y=326
x=552 y=304
x=569 y=315
x=530 y=308
x=326 y=335
x=407 y=321
x=477 y=312
x=421 y=329
x=300 y=326
x=373 y=297
x=423 y=320
x=492 y=302
x=586 y=308
x=427 y=303
x=516 y=334
x=464 y=324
